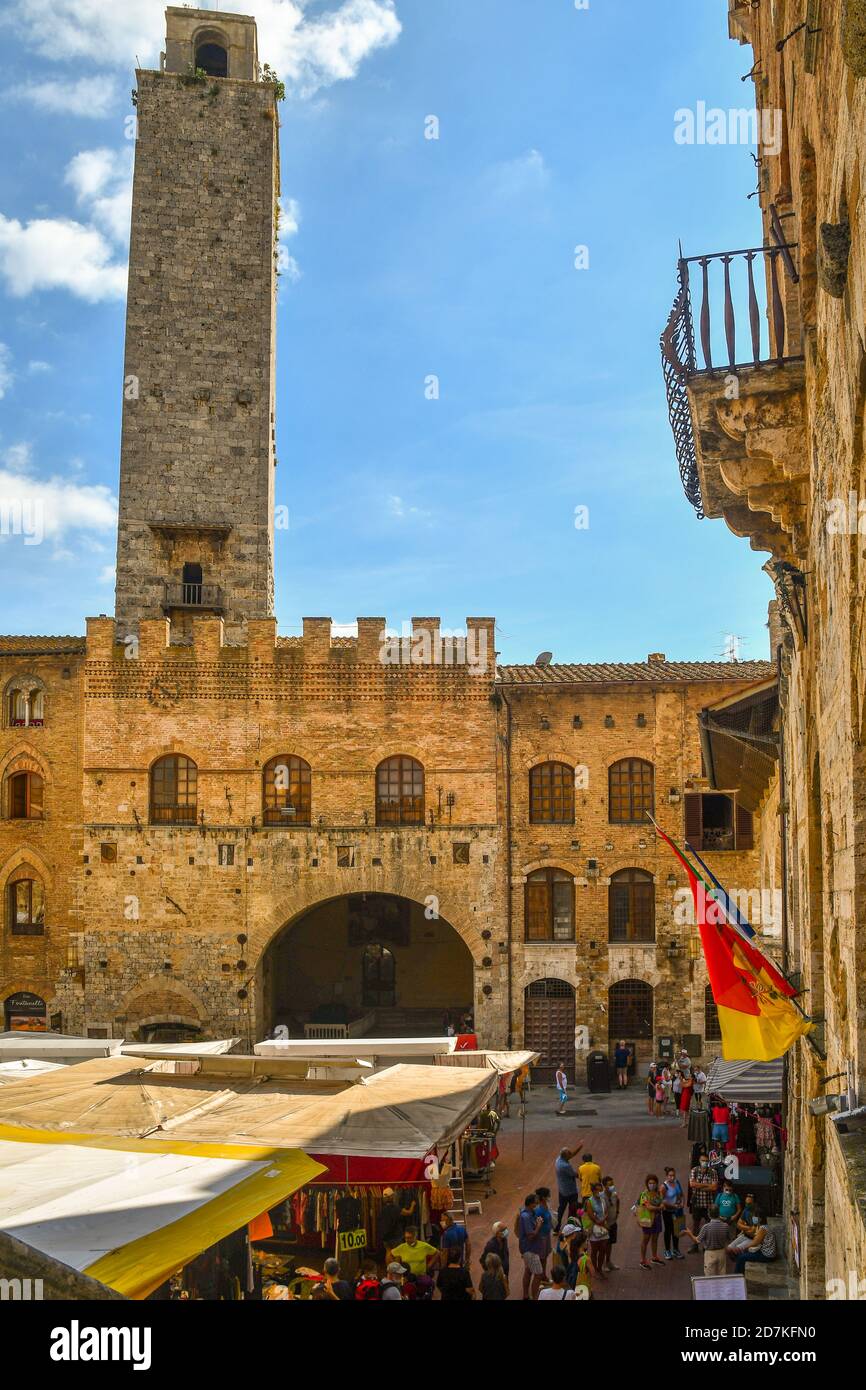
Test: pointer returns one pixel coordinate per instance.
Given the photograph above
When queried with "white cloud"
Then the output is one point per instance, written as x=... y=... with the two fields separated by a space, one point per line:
x=57 y=253
x=290 y=221
x=18 y=458
x=399 y=509
x=102 y=181
x=514 y=178
x=7 y=376
x=60 y=253
x=36 y=367
x=308 y=53
x=54 y=508
x=88 y=96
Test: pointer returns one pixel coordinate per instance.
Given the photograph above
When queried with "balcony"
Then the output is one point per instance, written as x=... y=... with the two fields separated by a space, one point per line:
x=735 y=390
x=202 y=598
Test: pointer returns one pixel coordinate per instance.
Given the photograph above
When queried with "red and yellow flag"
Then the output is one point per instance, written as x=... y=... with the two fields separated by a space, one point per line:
x=756 y=1016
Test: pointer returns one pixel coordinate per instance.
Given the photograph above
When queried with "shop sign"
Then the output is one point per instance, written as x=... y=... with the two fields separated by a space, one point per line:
x=352 y=1240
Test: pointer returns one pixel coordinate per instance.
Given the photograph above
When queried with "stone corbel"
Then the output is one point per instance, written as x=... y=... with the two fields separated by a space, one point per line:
x=753 y=456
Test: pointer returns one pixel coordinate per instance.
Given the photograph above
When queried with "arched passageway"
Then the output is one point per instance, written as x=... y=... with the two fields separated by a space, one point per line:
x=367 y=954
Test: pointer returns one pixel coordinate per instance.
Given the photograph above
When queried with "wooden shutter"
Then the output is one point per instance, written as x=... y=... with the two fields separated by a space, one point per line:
x=745 y=828
x=694 y=820
x=35 y=806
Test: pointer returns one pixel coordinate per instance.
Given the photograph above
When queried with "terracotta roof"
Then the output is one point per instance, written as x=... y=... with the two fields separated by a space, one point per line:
x=629 y=672
x=38 y=646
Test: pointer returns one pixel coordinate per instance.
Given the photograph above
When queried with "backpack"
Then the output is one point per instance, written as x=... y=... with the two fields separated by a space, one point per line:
x=368 y=1290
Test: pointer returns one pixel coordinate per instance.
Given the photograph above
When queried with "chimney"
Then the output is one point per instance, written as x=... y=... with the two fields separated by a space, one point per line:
x=656 y=658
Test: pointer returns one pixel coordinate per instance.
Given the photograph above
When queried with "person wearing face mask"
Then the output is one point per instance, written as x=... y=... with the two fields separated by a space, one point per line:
x=649 y=1216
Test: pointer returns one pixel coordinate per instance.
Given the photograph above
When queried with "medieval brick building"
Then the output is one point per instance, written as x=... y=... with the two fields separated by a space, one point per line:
x=764 y=362
x=208 y=829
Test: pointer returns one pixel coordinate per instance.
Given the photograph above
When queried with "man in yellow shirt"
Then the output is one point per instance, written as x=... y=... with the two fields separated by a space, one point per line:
x=418 y=1258
x=589 y=1173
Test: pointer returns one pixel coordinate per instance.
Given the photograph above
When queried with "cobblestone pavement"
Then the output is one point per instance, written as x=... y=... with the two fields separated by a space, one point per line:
x=627 y=1143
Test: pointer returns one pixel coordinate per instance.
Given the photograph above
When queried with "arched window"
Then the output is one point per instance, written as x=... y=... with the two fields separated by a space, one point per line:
x=212 y=57
x=551 y=794
x=173 y=791
x=286 y=791
x=631 y=906
x=630 y=792
x=712 y=1027
x=549 y=906
x=400 y=792
x=26 y=905
x=25 y=703
x=630 y=1010
x=25 y=796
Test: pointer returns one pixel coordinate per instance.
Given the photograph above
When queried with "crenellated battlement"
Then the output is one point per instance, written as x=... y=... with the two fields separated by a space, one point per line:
x=422 y=644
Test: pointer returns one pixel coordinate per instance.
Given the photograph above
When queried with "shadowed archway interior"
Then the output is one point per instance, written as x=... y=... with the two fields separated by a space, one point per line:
x=362 y=954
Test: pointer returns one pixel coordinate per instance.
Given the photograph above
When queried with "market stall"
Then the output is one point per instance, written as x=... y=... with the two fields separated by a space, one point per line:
x=129 y=1212
x=752 y=1092
x=378 y=1145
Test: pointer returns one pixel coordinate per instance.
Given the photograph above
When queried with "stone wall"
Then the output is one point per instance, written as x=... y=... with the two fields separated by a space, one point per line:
x=659 y=725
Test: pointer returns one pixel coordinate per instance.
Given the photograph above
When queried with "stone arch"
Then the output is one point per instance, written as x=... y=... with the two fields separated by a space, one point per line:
x=24 y=757
x=553 y=861
x=211 y=48
x=536 y=759
x=162 y=999
x=31 y=858
x=292 y=979
x=457 y=915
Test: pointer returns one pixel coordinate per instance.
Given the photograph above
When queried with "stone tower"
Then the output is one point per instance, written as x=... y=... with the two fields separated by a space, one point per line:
x=195 y=533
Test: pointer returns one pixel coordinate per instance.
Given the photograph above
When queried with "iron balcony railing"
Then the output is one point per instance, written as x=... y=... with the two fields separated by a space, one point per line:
x=208 y=596
x=728 y=282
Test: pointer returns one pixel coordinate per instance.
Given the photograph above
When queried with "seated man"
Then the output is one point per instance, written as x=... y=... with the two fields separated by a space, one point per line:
x=762 y=1249
x=745 y=1224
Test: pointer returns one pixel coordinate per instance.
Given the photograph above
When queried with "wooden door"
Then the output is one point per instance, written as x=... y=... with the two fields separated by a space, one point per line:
x=548 y=1026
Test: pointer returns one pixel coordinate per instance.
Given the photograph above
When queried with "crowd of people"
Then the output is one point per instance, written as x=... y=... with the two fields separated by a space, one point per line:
x=671 y=1087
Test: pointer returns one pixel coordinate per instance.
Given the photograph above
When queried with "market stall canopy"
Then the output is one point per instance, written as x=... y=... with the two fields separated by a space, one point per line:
x=502 y=1062
x=402 y=1112
x=55 y=1047
x=194 y=1049
x=752 y=1083
x=129 y=1212
x=55 y=1281
x=26 y=1066
x=417 y=1050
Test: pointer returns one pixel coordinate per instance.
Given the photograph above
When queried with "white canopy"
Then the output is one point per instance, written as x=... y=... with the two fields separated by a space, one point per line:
x=25 y=1066
x=55 y=1047
x=402 y=1112
x=129 y=1212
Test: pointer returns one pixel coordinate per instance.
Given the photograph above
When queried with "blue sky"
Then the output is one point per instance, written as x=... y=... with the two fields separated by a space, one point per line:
x=410 y=258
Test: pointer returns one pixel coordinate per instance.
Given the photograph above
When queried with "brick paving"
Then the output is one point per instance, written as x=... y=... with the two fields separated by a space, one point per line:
x=627 y=1143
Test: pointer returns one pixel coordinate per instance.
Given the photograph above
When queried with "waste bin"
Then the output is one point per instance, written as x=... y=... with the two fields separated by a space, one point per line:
x=597 y=1072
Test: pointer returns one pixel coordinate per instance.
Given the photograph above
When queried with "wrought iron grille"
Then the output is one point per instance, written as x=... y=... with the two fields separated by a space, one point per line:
x=678 y=359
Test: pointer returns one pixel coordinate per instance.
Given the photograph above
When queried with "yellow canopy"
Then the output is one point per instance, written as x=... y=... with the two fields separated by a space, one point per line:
x=130 y=1211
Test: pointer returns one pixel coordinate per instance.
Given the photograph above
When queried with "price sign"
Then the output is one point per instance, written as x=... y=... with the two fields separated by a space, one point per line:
x=352 y=1240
